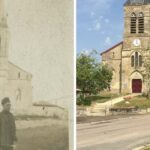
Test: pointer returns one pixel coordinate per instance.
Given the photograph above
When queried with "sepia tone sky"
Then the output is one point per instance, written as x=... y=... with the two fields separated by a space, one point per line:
x=41 y=42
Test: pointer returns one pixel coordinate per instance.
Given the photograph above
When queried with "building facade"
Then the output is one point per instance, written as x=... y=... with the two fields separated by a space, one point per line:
x=15 y=83
x=127 y=57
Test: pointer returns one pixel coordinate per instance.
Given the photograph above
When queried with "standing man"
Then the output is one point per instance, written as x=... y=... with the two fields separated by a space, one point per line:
x=7 y=126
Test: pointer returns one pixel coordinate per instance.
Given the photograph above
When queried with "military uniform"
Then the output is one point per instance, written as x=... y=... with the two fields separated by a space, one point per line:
x=7 y=130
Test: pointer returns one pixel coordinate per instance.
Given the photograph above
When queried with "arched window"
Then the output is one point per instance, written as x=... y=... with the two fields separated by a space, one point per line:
x=141 y=23
x=136 y=60
x=133 y=23
x=140 y=60
x=132 y=61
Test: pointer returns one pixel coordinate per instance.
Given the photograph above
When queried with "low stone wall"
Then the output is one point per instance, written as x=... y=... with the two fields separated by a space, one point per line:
x=23 y=124
x=53 y=112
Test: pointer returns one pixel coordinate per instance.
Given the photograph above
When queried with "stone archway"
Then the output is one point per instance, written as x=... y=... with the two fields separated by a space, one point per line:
x=136 y=82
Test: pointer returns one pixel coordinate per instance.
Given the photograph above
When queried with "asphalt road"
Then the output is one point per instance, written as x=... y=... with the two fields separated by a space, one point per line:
x=116 y=134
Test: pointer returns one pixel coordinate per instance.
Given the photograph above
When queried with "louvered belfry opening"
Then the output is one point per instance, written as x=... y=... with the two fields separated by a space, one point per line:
x=141 y=23
x=133 y=23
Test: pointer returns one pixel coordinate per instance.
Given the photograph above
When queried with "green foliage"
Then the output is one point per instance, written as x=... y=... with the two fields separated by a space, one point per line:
x=84 y=101
x=146 y=75
x=92 y=77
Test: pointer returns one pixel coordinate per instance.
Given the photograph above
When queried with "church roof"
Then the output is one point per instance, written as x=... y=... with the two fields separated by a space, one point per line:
x=112 y=48
x=137 y=2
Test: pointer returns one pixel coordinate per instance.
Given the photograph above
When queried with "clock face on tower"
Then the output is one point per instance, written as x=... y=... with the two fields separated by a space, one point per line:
x=136 y=42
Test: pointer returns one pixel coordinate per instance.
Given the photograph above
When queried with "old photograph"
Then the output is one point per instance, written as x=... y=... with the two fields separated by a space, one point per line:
x=36 y=74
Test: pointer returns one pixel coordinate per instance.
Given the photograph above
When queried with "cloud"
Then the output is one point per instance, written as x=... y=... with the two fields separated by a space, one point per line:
x=86 y=52
x=97 y=26
x=92 y=14
x=85 y=6
x=106 y=20
x=108 y=41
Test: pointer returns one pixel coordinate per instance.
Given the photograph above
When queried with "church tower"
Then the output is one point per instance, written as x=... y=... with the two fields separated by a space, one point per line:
x=136 y=44
x=3 y=49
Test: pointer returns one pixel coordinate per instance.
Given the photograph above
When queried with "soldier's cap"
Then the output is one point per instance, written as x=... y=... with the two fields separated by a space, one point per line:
x=5 y=100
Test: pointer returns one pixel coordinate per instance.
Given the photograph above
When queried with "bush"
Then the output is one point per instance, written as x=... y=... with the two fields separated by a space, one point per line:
x=83 y=101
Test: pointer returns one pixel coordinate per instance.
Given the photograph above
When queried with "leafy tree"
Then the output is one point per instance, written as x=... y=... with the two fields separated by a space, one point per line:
x=146 y=75
x=92 y=77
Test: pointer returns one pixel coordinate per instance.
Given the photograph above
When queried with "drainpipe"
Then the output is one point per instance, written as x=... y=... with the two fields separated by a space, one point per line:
x=120 y=72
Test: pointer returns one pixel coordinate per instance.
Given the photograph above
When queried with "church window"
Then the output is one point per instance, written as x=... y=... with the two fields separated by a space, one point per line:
x=136 y=60
x=132 y=61
x=141 y=23
x=133 y=23
x=140 y=60
x=113 y=55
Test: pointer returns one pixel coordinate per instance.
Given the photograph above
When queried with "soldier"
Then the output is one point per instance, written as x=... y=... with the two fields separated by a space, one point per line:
x=7 y=126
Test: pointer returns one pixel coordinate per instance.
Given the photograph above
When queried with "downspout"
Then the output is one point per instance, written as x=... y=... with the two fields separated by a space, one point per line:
x=120 y=72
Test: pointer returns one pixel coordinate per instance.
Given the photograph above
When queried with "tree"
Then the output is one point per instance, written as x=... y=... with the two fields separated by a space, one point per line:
x=92 y=77
x=146 y=75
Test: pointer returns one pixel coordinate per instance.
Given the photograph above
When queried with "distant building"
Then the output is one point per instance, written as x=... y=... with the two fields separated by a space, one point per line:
x=126 y=58
x=15 y=82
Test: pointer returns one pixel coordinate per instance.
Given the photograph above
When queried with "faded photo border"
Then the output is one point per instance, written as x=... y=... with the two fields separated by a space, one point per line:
x=37 y=67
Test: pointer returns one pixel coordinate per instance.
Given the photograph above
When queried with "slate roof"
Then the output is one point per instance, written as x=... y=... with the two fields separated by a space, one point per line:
x=136 y=2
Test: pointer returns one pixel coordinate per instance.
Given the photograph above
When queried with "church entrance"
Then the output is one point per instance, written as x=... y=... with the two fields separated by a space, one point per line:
x=136 y=86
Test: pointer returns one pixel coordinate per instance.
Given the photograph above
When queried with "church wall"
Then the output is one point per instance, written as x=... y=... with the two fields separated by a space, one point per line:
x=113 y=59
x=20 y=93
x=19 y=89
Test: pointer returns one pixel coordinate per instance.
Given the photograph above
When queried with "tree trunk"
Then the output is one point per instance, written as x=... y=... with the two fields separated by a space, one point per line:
x=148 y=94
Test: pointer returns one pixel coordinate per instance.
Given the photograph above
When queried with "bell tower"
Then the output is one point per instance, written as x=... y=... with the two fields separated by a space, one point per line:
x=136 y=44
x=3 y=49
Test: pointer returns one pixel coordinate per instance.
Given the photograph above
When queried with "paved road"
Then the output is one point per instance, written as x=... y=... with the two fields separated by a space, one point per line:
x=117 y=134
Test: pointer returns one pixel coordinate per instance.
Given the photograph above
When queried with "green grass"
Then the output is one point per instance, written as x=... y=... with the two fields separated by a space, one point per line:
x=140 y=102
x=54 y=137
x=103 y=97
x=146 y=148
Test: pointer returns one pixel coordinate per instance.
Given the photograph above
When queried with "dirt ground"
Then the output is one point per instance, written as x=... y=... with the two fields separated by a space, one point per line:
x=89 y=119
x=41 y=136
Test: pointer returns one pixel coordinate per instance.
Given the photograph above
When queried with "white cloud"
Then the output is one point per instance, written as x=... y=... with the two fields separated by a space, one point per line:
x=106 y=20
x=86 y=52
x=92 y=14
x=85 y=6
x=97 y=26
x=108 y=41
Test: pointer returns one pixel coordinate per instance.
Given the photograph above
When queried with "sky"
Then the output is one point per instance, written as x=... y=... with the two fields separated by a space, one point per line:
x=41 y=36
x=99 y=24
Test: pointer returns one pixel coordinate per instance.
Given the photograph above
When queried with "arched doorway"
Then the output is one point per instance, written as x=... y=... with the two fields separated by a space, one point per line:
x=136 y=85
x=136 y=82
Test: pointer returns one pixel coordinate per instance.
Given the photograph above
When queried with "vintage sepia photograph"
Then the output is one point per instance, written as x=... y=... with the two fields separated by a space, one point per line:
x=113 y=75
x=36 y=74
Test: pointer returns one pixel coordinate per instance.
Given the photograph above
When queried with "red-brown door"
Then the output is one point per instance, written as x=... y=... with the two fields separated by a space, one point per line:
x=136 y=86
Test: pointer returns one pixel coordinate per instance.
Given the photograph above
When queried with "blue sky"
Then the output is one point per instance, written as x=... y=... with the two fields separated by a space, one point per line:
x=99 y=24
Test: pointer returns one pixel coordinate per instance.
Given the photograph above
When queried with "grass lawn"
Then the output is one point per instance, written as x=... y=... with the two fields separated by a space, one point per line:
x=146 y=148
x=140 y=101
x=54 y=137
x=103 y=97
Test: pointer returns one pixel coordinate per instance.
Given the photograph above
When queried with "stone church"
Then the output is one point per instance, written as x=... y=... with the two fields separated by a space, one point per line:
x=126 y=58
x=15 y=82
